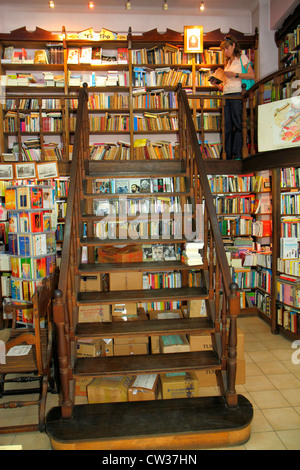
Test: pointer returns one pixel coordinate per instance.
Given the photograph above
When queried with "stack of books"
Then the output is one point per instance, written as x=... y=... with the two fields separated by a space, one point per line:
x=191 y=255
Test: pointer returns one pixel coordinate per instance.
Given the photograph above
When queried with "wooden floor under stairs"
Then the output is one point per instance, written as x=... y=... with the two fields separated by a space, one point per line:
x=192 y=423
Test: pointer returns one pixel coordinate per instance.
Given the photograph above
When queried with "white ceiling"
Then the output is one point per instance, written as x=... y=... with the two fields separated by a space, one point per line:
x=212 y=7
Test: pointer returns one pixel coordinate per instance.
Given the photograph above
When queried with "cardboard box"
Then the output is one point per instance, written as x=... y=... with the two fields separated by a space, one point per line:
x=208 y=378
x=196 y=308
x=134 y=349
x=81 y=386
x=90 y=283
x=126 y=254
x=204 y=343
x=136 y=317
x=161 y=315
x=143 y=387
x=107 y=347
x=89 y=348
x=126 y=281
x=109 y=389
x=174 y=344
x=94 y=313
x=179 y=385
x=124 y=308
x=131 y=340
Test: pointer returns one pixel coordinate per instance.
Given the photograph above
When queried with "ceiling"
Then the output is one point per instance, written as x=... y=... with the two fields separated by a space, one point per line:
x=188 y=7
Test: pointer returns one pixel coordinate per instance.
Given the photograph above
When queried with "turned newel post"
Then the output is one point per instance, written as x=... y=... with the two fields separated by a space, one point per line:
x=62 y=348
x=234 y=309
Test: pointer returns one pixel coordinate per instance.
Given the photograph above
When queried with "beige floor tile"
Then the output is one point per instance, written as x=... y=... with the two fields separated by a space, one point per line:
x=252 y=370
x=259 y=422
x=292 y=395
x=283 y=381
x=272 y=367
x=264 y=441
x=291 y=439
x=259 y=382
x=283 y=354
x=262 y=356
x=282 y=419
x=269 y=399
x=33 y=441
x=254 y=346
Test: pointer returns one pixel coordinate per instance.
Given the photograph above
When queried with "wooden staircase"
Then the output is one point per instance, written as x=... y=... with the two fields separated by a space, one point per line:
x=200 y=422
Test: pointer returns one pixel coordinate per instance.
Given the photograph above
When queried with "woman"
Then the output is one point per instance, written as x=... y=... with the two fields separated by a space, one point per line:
x=232 y=86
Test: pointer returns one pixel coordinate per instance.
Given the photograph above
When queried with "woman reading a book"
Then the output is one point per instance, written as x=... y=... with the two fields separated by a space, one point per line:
x=232 y=86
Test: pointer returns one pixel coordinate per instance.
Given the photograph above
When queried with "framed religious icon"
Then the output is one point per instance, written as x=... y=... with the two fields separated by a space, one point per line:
x=193 y=39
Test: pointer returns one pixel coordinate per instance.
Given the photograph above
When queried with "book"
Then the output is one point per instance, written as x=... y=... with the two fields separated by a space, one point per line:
x=13 y=247
x=24 y=245
x=85 y=55
x=73 y=55
x=40 y=57
x=23 y=197
x=36 y=197
x=289 y=248
x=24 y=222
x=36 y=219
x=11 y=198
x=217 y=77
x=25 y=268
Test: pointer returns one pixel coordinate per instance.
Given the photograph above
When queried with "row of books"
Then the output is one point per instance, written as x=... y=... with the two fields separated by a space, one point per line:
x=53 y=55
x=170 y=54
x=29 y=197
x=164 y=76
x=23 y=222
x=23 y=290
x=160 y=150
x=97 y=56
x=254 y=258
x=263 y=302
x=47 y=79
x=290 y=203
x=106 y=101
x=155 y=122
x=93 y=79
x=33 y=122
x=208 y=121
x=139 y=185
x=162 y=280
x=249 y=278
x=288 y=293
x=288 y=318
x=32 y=268
x=239 y=183
x=290 y=177
x=235 y=204
x=150 y=306
x=211 y=150
x=34 y=244
x=289 y=248
x=289 y=266
x=109 y=122
x=155 y=99
x=33 y=103
x=245 y=225
x=290 y=43
x=131 y=207
x=61 y=209
x=137 y=229
x=60 y=231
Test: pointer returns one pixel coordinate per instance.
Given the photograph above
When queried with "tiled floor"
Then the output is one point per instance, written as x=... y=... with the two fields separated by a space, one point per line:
x=272 y=385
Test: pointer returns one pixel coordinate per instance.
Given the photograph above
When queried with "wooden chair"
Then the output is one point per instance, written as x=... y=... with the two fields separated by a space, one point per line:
x=36 y=365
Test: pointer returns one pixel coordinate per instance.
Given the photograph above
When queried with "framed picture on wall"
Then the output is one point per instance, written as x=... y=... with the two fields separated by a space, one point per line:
x=46 y=171
x=6 y=171
x=25 y=170
x=193 y=39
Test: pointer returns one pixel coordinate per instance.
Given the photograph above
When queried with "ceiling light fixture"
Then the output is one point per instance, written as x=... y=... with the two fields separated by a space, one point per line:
x=91 y=4
x=202 y=7
x=128 y=5
x=165 y=5
x=51 y=4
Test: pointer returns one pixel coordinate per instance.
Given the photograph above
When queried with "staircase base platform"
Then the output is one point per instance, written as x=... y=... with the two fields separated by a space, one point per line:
x=188 y=423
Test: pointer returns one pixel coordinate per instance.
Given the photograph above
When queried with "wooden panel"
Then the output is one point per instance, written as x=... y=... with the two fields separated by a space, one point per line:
x=142 y=267
x=147 y=295
x=144 y=327
x=145 y=364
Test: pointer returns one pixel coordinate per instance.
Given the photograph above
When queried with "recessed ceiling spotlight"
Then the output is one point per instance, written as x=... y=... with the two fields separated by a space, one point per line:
x=91 y=4
x=202 y=7
x=51 y=4
x=128 y=5
x=165 y=5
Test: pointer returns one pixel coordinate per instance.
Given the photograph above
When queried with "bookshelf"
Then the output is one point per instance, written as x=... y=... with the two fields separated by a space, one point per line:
x=131 y=78
x=288 y=260
x=31 y=242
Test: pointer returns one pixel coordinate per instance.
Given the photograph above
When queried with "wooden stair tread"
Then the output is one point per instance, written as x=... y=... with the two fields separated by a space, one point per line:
x=133 y=168
x=95 y=241
x=146 y=295
x=158 y=424
x=146 y=363
x=144 y=327
x=93 y=268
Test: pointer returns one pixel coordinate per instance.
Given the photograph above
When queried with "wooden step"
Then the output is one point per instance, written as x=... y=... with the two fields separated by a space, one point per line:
x=133 y=168
x=95 y=241
x=153 y=266
x=146 y=364
x=145 y=295
x=179 y=326
x=135 y=196
x=186 y=423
